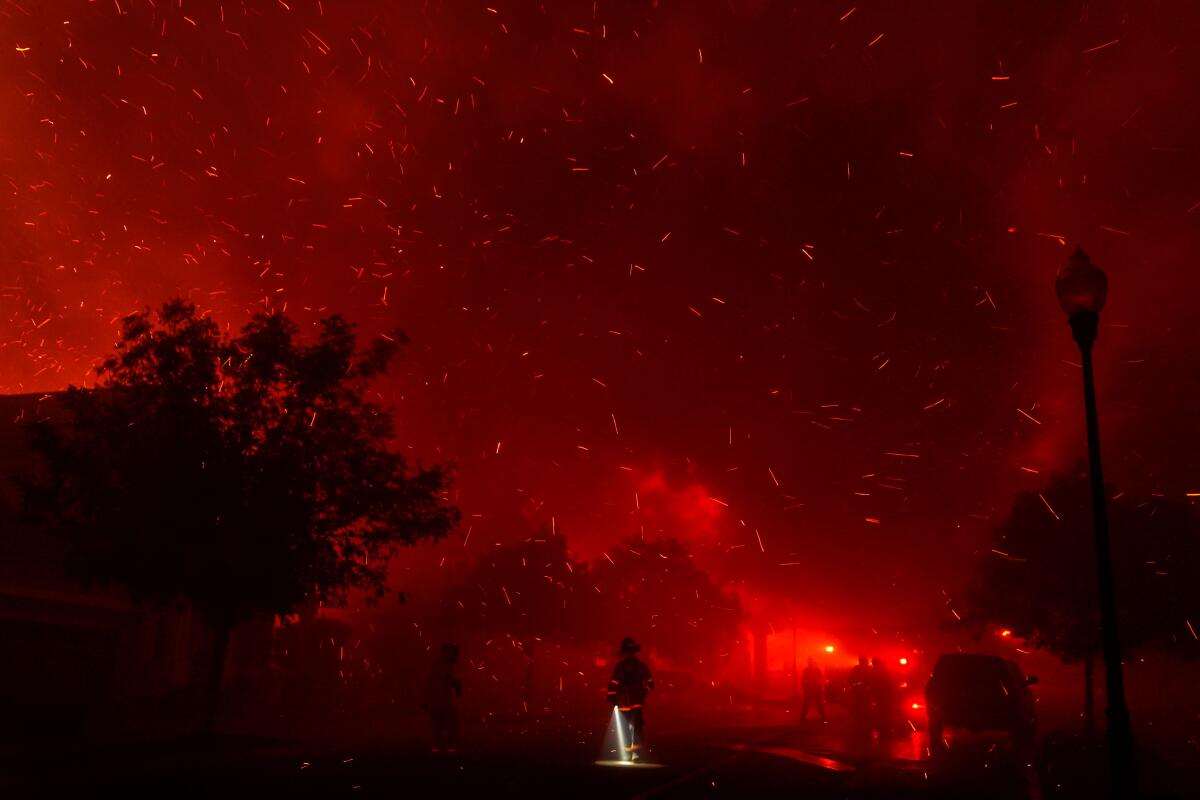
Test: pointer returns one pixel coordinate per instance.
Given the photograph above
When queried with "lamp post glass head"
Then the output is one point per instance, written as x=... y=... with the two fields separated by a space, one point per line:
x=1082 y=287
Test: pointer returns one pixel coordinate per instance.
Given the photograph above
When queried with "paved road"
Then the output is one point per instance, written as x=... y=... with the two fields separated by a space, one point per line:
x=561 y=759
x=759 y=752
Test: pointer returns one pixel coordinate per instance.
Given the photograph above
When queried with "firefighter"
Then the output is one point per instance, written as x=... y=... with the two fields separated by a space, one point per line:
x=631 y=681
x=441 y=690
x=813 y=683
x=883 y=694
x=860 y=698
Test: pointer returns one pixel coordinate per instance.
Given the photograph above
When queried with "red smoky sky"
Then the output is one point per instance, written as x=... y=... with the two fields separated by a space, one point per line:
x=775 y=277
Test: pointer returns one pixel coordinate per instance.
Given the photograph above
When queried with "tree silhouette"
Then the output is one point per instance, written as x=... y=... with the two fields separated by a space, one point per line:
x=1039 y=579
x=534 y=593
x=532 y=590
x=242 y=474
x=653 y=590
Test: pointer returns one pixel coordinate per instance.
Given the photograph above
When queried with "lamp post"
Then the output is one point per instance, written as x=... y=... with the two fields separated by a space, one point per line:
x=1082 y=288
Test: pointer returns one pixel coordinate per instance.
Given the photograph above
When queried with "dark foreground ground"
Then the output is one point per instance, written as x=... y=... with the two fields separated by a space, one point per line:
x=759 y=753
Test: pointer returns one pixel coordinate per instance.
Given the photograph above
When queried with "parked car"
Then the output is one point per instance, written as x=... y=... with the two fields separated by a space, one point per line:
x=979 y=693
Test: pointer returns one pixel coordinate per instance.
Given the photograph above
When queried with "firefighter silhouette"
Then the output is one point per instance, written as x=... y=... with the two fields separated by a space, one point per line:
x=813 y=683
x=442 y=688
x=860 y=698
x=883 y=695
x=631 y=682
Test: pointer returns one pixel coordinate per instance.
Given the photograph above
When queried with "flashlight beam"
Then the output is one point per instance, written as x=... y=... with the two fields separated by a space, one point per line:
x=620 y=733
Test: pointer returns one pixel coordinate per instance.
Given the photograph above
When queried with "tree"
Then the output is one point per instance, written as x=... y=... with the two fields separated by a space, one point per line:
x=533 y=592
x=1039 y=579
x=653 y=589
x=242 y=474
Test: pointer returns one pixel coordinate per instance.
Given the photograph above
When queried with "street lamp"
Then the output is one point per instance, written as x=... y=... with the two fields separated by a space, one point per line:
x=1082 y=288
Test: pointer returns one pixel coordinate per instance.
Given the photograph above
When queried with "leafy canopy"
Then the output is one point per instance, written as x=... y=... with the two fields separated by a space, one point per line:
x=530 y=590
x=244 y=474
x=651 y=589
x=1039 y=578
x=654 y=590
